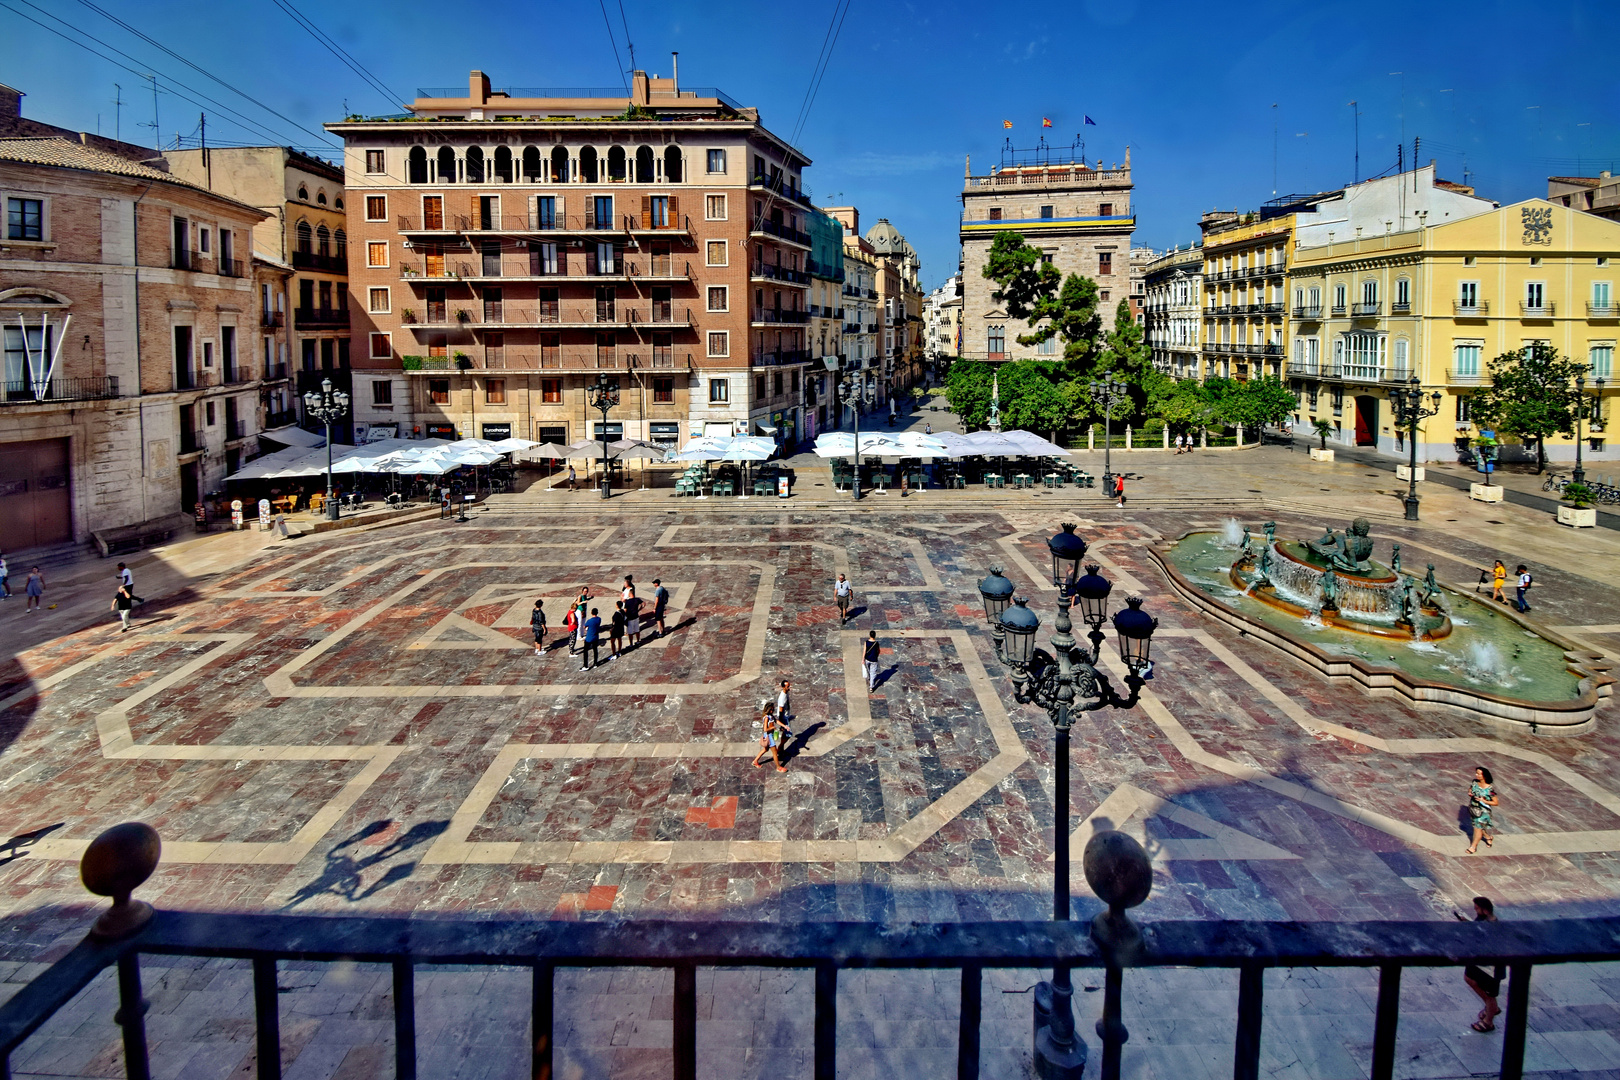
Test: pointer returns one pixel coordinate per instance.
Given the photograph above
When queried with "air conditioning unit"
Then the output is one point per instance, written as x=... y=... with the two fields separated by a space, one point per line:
x=409 y=246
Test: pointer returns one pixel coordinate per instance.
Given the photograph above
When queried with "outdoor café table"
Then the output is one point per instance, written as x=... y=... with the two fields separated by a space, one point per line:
x=995 y=480
x=1023 y=480
x=764 y=487
x=1054 y=480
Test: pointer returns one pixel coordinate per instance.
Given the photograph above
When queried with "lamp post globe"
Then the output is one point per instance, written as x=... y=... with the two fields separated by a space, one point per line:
x=1092 y=591
x=1067 y=550
x=997 y=592
x=1018 y=627
x=327 y=405
x=1134 y=628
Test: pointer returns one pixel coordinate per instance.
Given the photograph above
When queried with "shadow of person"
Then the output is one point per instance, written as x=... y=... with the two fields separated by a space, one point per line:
x=884 y=676
x=800 y=740
x=342 y=874
x=18 y=845
x=1465 y=823
x=856 y=612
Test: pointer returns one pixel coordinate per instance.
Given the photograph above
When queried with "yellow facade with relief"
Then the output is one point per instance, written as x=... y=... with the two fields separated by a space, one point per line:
x=1245 y=313
x=1441 y=303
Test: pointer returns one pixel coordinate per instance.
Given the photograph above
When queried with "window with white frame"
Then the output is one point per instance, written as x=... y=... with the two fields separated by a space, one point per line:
x=374 y=161
x=1468 y=294
x=719 y=390
x=376 y=253
x=1338 y=296
x=1403 y=292
x=1535 y=295
x=719 y=345
x=1369 y=291
x=714 y=207
x=1602 y=360
x=1364 y=355
x=376 y=208
x=382 y=346
x=716 y=252
x=1401 y=369
x=1465 y=359
x=1602 y=296
x=716 y=160
x=377 y=299
x=382 y=392
x=718 y=298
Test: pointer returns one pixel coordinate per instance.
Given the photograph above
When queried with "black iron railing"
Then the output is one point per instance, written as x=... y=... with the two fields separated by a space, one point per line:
x=95 y=388
x=320 y=318
x=1249 y=947
x=311 y=260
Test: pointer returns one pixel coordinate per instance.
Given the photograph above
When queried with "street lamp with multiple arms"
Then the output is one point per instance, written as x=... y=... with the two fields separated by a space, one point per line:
x=1408 y=403
x=850 y=386
x=604 y=396
x=327 y=405
x=1580 y=416
x=1063 y=684
x=1108 y=391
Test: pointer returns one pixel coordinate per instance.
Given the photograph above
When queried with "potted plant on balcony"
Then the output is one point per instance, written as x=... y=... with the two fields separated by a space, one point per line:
x=1322 y=429
x=410 y=363
x=1579 y=513
x=463 y=361
x=407 y=315
x=463 y=315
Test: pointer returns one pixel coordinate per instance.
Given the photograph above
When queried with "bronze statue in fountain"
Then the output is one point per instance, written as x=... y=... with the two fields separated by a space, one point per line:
x=1352 y=554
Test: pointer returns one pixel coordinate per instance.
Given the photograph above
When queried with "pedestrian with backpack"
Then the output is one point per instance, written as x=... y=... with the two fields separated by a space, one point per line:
x=1525 y=581
x=537 y=623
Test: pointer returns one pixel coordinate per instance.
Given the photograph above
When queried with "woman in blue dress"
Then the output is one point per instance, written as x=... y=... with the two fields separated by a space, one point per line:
x=1481 y=799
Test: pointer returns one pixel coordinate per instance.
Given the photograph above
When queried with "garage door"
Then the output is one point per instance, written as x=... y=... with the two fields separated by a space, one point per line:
x=34 y=508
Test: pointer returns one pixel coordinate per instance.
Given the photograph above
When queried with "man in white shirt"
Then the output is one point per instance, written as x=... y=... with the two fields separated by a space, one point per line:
x=841 y=592
x=126 y=579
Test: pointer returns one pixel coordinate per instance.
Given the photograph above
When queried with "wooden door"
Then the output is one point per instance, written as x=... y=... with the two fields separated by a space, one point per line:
x=35 y=501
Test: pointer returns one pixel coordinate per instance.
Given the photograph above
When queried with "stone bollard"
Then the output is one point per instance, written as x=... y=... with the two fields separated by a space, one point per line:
x=115 y=864
x=1121 y=874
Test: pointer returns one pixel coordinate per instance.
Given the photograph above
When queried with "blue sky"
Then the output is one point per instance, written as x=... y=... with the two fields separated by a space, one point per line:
x=1515 y=93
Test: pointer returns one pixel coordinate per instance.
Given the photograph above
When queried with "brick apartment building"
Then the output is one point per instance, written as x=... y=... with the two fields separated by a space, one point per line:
x=510 y=246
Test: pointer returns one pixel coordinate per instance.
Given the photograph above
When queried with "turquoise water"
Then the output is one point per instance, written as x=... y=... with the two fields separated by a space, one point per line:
x=1485 y=651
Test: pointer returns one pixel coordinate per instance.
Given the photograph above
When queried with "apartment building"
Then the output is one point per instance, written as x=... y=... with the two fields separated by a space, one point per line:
x=1244 y=280
x=1438 y=302
x=1141 y=259
x=1079 y=216
x=514 y=245
x=307 y=231
x=1598 y=194
x=899 y=310
x=826 y=327
x=130 y=387
x=1173 y=316
x=942 y=322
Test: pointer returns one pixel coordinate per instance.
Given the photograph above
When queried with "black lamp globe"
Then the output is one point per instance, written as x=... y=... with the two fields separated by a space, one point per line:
x=1018 y=625
x=1067 y=550
x=1093 y=590
x=1135 y=629
x=997 y=592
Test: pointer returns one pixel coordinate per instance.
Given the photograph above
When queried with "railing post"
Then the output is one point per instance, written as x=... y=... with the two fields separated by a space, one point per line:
x=267 y=1017
x=685 y=1016
x=1251 y=996
x=826 y=1064
x=967 y=1026
x=1385 y=1020
x=131 y=1016
x=542 y=1012
x=404 y=1020
x=1518 y=1016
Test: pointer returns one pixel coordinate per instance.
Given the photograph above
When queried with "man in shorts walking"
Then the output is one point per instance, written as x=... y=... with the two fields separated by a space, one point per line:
x=660 y=602
x=842 y=590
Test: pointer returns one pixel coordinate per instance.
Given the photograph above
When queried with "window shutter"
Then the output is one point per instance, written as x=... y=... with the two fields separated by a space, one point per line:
x=646 y=211
x=561 y=218
x=472 y=211
x=674 y=212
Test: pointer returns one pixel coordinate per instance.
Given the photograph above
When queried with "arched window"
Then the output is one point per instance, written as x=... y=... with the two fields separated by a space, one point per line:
x=303 y=193
x=323 y=241
x=587 y=165
x=337 y=204
x=559 y=165
x=644 y=165
x=416 y=166
x=320 y=197
x=672 y=164
x=503 y=164
x=531 y=164
x=340 y=241
x=447 y=165
x=616 y=163
x=306 y=237
x=475 y=165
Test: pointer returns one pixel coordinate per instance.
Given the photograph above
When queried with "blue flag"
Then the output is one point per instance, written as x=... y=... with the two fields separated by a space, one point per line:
x=1090 y=121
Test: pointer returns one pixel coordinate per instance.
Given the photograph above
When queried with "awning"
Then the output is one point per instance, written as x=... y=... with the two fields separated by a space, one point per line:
x=293 y=435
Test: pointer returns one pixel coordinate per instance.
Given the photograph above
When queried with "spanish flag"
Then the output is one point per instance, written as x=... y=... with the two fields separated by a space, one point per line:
x=1006 y=123
x=1045 y=122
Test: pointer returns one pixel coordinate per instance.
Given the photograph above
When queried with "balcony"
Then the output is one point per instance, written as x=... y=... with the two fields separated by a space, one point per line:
x=235 y=429
x=781 y=273
x=330 y=264
x=235 y=376
x=1470 y=377
x=1367 y=309
x=770 y=315
x=321 y=318
x=272 y=320
x=273 y=372
x=1266 y=309
x=1311 y=312
x=1336 y=310
x=190 y=442
x=852 y=328
x=1537 y=311
x=230 y=268
x=516 y=224
x=279 y=419
x=782 y=232
x=187 y=260
x=579 y=316
x=1470 y=309
x=1602 y=311
x=531 y=358
x=94 y=388
x=778 y=359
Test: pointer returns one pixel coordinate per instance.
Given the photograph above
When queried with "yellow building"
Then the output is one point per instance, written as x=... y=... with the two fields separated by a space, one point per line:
x=1440 y=302
x=1245 y=317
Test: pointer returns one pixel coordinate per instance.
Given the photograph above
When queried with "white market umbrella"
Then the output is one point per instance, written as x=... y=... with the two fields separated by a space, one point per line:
x=1034 y=444
x=704 y=448
x=838 y=444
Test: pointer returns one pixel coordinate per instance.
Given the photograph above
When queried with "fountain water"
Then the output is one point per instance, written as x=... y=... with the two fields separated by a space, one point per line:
x=1232 y=533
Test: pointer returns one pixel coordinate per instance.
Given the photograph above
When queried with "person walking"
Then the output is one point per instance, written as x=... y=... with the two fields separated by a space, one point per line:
x=1486 y=984
x=1498 y=581
x=1525 y=581
x=783 y=700
x=1119 y=491
x=770 y=739
x=572 y=476
x=660 y=602
x=123 y=601
x=5 y=578
x=127 y=579
x=1178 y=444
x=632 y=618
x=1481 y=801
x=616 y=630
x=34 y=587
x=590 y=638
x=869 y=660
x=537 y=623
x=842 y=591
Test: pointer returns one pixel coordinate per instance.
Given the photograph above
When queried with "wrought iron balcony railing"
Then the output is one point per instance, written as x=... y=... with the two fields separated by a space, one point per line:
x=1470 y=309
x=24 y=392
x=310 y=260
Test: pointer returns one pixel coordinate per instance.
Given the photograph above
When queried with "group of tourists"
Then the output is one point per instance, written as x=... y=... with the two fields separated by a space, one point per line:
x=583 y=623
x=34 y=588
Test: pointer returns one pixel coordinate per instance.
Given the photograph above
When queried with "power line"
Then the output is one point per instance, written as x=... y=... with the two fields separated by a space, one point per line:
x=628 y=44
x=239 y=93
x=241 y=121
x=615 y=43
x=338 y=51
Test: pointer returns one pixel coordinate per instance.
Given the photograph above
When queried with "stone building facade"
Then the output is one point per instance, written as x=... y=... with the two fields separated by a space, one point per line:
x=1079 y=216
x=510 y=247
x=1173 y=314
x=130 y=383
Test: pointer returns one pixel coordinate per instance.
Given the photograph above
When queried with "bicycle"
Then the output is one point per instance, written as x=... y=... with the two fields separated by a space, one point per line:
x=1556 y=482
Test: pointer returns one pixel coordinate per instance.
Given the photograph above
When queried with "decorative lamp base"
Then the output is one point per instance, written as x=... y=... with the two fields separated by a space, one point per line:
x=331 y=509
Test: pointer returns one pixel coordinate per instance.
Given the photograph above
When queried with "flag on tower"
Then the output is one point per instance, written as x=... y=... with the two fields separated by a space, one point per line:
x=1090 y=121
x=1046 y=122
x=1006 y=123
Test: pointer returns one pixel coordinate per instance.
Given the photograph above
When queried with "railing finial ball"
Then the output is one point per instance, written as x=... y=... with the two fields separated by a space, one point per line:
x=115 y=864
x=1118 y=869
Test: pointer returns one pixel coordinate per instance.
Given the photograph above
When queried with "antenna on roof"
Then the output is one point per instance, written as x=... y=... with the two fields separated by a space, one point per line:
x=157 y=134
x=118 y=112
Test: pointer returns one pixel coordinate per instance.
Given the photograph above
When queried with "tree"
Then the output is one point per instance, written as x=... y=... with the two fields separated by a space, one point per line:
x=1323 y=429
x=1255 y=403
x=1183 y=404
x=1036 y=292
x=1031 y=398
x=967 y=388
x=1532 y=395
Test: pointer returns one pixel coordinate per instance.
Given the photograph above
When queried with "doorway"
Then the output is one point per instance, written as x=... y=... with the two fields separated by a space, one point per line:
x=188 y=486
x=35 y=501
x=1366 y=420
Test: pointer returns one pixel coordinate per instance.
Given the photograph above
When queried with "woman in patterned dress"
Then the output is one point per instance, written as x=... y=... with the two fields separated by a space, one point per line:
x=1481 y=799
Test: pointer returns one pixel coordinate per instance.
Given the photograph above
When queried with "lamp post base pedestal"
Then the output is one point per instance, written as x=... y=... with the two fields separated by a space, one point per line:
x=331 y=510
x=607 y=489
x=1411 y=507
x=1053 y=1062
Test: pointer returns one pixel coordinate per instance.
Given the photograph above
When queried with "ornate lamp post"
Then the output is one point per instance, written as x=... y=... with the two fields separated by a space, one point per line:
x=327 y=405
x=1108 y=391
x=1407 y=401
x=1063 y=682
x=604 y=395
x=850 y=386
x=1580 y=416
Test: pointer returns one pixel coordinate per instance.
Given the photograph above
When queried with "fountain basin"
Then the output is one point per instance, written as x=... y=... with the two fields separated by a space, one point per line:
x=1493 y=664
x=1366 y=603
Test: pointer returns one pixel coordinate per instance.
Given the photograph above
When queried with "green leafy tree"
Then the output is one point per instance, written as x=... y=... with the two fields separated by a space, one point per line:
x=1053 y=306
x=1532 y=395
x=967 y=388
x=1254 y=403
x=1323 y=429
x=1183 y=404
x=1031 y=398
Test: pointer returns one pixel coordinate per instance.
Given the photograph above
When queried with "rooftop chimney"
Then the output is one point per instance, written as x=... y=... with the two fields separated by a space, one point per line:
x=478 y=87
x=675 y=73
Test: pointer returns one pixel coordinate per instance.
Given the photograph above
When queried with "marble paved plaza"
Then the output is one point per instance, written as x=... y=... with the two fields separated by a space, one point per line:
x=357 y=722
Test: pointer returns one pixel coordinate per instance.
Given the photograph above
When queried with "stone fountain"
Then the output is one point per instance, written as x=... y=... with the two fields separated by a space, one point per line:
x=1334 y=579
